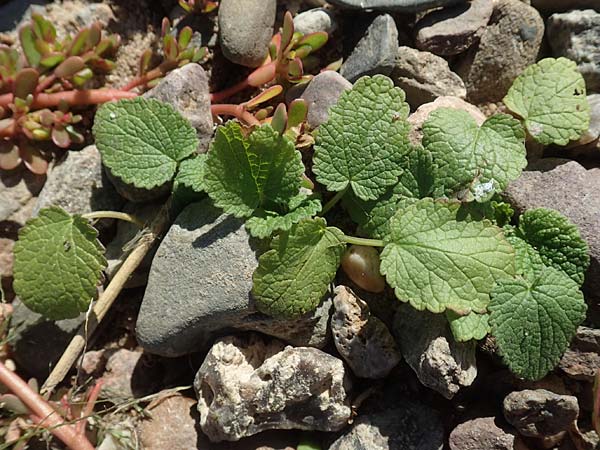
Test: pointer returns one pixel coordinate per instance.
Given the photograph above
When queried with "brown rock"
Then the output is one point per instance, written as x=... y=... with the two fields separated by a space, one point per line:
x=581 y=361
x=481 y=434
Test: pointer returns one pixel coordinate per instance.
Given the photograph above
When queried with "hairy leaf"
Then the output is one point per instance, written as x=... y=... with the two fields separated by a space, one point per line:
x=191 y=173
x=534 y=321
x=550 y=97
x=472 y=326
x=436 y=262
x=58 y=264
x=143 y=140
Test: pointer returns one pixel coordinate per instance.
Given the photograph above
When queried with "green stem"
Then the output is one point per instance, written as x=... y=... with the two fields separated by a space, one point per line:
x=363 y=241
x=331 y=203
x=113 y=215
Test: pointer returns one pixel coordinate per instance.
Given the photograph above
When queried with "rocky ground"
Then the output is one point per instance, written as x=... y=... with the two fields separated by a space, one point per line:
x=362 y=371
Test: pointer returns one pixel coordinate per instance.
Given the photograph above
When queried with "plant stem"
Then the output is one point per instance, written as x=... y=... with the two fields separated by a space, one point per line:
x=159 y=71
x=72 y=98
x=113 y=215
x=331 y=203
x=89 y=407
x=237 y=111
x=48 y=417
x=106 y=299
x=363 y=241
x=226 y=93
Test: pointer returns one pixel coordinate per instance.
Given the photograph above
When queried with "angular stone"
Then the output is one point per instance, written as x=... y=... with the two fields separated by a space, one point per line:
x=199 y=286
x=361 y=338
x=322 y=93
x=79 y=185
x=481 y=434
x=451 y=31
x=186 y=89
x=572 y=190
x=418 y=118
x=508 y=45
x=247 y=385
x=246 y=28
x=375 y=52
x=575 y=35
x=38 y=343
x=581 y=361
x=540 y=413
x=411 y=426
x=17 y=188
x=171 y=425
x=429 y=349
x=407 y=6
x=424 y=76
x=316 y=19
x=564 y=5
x=129 y=374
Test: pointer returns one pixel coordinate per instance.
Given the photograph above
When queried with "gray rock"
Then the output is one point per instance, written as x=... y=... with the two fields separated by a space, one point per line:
x=481 y=434
x=362 y=339
x=128 y=374
x=171 y=424
x=540 y=413
x=571 y=189
x=375 y=52
x=246 y=28
x=199 y=286
x=394 y=5
x=509 y=44
x=451 y=31
x=186 y=89
x=424 y=77
x=412 y=426
x=418 y=118
x=429 y=349
x=581 y=361
x=38 y=343
x=564 y=5
x=322 y=93
x=17 y=188
x=316 y=19
x=78 y=185
x=575 y=35
x=11 y=12
x=247 y=385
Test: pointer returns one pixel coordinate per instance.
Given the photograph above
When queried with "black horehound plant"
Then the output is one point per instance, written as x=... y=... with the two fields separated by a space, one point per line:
x=431 y=214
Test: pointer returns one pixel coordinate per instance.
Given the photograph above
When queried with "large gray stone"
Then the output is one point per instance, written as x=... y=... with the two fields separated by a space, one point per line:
x=575 y=35
x=481 y=434
x=17 y=188
x=247 y=385
x=411 y=426
x=79 y=185
x=361 y=338
x=322 y=93
x=509 y=44
x=246 y=28
x=572 y=190
x=424 y=76
x=540 y=413
x=375 y=52
x=581 y=361
x=451 y=31
x=428 y=347
x=406 y=6
x=186 y=89
x=316 y=19
x=199 y=286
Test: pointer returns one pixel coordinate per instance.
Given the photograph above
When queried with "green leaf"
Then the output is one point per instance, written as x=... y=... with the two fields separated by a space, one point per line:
x=478 y=160
x=362 y=143
x=550 y=97
x=415 y=181
x=292 y=277
x=264 y=223
x=191 y=173
x=243 y=174
x=534 y=321
x=528 y=261
x=143 y=140
x=557 y=240
x=58 y=264
x=472 y=326
x=436 y=262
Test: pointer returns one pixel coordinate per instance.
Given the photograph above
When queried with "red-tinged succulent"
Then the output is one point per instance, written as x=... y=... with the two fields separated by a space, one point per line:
x=198 y=6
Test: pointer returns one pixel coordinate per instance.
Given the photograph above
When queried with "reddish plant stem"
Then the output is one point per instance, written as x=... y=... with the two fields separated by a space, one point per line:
x=226 y=93
x=235 y=111
x=46 y=83
x=72 y=98
x=261 y=75
x=159 y=71
x=41 y=410
x=89 y=407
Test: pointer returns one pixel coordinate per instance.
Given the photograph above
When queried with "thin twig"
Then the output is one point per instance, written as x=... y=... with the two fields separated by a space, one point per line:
x=113 y=215
x=106 y=300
